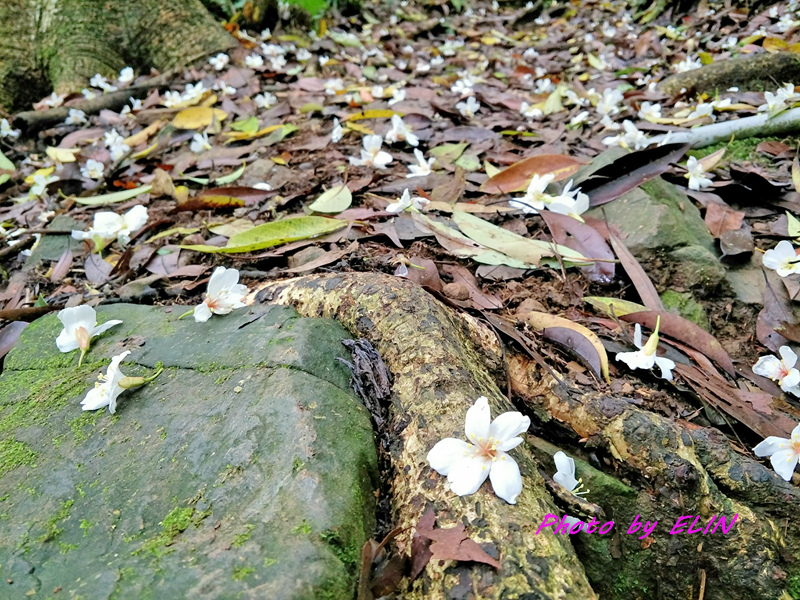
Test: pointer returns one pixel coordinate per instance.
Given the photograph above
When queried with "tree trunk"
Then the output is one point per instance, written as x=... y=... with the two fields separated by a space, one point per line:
x=59 y=44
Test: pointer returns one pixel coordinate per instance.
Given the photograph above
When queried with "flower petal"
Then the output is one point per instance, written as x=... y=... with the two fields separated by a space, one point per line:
x=796 y=434
x=767 y=366
x=507 y=445
x=791 y=380
x=508 y=425
x=221 y=279
x=446 y=453
x=67 y=342
x=788 y=356
x=505 y=478
x=637 y=336
x=666 y=366
x=202 y=313
x=104 y=327
x=784 y=463
x=637 y=360
x=467 y=475
x=771 y=445
x=565 y=471
x=95 y=398
x=477 y=423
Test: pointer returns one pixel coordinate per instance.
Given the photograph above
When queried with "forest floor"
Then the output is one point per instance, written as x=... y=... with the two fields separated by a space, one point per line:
x=470 y=103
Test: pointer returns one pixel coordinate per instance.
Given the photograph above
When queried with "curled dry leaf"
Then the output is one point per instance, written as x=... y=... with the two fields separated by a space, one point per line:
x=517 y=177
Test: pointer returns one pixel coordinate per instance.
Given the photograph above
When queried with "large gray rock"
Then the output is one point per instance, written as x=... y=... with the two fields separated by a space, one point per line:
x=247 y=469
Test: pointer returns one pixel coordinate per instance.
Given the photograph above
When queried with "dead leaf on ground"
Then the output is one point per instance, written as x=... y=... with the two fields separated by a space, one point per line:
x=517 y=177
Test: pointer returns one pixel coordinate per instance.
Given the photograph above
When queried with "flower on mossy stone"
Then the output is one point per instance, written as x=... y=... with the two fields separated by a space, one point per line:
x=467 y=465
x=224 y=293
x=645 y=357
x=80 y=326
x=111 y=384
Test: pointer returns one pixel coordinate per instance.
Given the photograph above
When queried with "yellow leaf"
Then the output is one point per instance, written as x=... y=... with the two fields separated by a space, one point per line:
x=323 y=27
x=363 y=129
x=490 y=169
x=376 y=113
x=795 y=48
x=773 y=44
x=234 y=136
x=710 y=161
x=796 y=172
x=615 y=306
x=278 y=160
x=62 y=155
x=146 y=151
x=43 y=172
x=144 y=134
x=705 y=58
x=750 y=39
x=198 y=117
x=489 y=41
x=595 y=62
x=793 y=225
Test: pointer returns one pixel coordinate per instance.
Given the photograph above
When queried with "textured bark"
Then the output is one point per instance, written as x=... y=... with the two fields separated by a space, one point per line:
x=60 y=44
x=441 y=364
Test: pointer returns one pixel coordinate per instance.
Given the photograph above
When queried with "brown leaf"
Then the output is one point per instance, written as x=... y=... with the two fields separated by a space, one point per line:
x=325 y=259
x=26 y=313
x=9 y=336
x=481 y=300
x=249 y=195
x=630 y=171
x=721 y=218
x=773 y=147
x=777 y=311
x=517 y=177
x=62 y=267
x=428 y=275
x=453 y=544
x=452 y=190
x=645 y=288
x=420 y=545
x=209 y=203
x=97 y=270
x=586 y=240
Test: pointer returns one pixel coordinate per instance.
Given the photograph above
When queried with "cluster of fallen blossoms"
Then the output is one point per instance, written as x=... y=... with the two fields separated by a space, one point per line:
x=224 y=294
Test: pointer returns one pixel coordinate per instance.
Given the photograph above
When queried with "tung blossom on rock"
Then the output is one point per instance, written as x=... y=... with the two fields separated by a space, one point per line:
x=468 y=464
x=645 y=357
x=565 y=477
x=111 y=384
x=80 y=326
x=783 y=453
x=224 y=293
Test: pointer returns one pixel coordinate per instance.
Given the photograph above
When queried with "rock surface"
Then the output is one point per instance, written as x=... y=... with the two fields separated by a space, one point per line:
x=247 y=469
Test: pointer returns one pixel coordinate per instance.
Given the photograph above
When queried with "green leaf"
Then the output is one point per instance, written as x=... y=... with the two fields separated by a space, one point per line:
x=173 y=231
x=333 y=201
x=277 y=135
x=469 y=162
x=40 y=301
x=274 y=234
x=448 y=153
x=793 y=225
x=232 y=177
x=5 y=165
x=114 y=197
x=246 y=125
x=514 y=245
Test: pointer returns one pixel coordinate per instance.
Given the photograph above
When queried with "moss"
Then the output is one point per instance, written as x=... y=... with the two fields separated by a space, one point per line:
x=348 y=554
x=304 y=528
x=176 y=522
x=86 y=526
x=241 y=573
x=686 y=306
x=86 y=418
x=64 y=547
x=14 y=454
x=743 y=150
x=268 y=562
x=51 y=528
x=240 y=538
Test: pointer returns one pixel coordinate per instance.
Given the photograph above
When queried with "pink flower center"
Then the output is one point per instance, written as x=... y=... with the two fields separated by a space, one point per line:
x=486 y=448
x=783 y=371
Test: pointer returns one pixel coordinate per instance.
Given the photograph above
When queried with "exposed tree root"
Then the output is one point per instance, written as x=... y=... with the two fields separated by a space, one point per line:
x=665 y=469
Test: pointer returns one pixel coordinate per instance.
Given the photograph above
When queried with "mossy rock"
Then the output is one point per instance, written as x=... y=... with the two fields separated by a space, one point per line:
x=247 y=469
x=684 y=304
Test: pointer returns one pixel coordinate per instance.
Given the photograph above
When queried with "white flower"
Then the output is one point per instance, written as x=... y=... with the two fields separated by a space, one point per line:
x=266 y=34
x=688 y=64
x=697 y=174
x=371 y=154
x=570 y=202
x=467 y=465
x=303 y=55
x=40 y=183
x=646 y=357
x=224 y=293
x=784 y=454
x=263 y=185
x=780 y=100
x=99 y=81
x=530 y=112
x=782 y=258
x=544 y=86
x=397 y=96
x=116 y=144
x=729 y=43
x=633 y=138
x=377 y=91
x=401 y=132
x=6 y=130
x=277 y=63
x=193 y=91
x=75 y=117
x=580 y=118
x=254 y=61
x=468 y=108
x=609 y=101
x=323 y=60
x=332 y=86
x=54 y=100
x=264 y=100
x=93 y=169
x=172 y=99
x=649 y=111
x=200 y=143
x=337 y=133
x=405 y=202
x=422 y=66
x=565 y=471
x=80 y=326
x=704 y=109
x=535 y=197
x=423 y=167
x=126 y=75
x=219 y=61
x=782 y=371
x=88 y=94
x=462 y=87
x=108 y=388
x=109 y=225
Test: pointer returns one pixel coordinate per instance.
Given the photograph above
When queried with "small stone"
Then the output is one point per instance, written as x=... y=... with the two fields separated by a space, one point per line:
x=306 y=255
x=456 y=291
x=696 y=267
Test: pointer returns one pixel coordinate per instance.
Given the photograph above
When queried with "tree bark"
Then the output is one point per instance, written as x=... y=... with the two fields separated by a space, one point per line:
x=60 y=44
